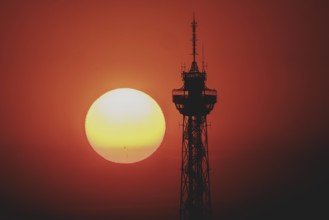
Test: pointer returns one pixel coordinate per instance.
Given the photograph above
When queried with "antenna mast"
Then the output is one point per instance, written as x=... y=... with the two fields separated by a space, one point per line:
x=194 y=37
x=194 y=66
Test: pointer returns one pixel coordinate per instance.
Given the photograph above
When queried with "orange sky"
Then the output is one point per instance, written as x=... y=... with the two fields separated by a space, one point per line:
x=267 y=60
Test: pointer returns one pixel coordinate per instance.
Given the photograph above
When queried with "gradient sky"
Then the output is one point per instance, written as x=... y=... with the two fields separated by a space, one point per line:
x=269 y=130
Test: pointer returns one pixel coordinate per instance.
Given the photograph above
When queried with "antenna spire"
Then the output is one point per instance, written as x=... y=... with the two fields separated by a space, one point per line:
x=194 y=36
x=194 y=66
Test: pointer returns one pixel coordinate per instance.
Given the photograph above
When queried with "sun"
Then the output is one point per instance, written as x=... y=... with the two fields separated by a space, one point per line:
x=125 y=125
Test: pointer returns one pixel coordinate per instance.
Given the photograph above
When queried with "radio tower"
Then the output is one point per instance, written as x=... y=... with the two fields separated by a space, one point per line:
x=194 y=101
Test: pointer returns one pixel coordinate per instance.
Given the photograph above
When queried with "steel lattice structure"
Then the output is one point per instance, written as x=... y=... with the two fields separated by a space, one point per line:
x=194 y=101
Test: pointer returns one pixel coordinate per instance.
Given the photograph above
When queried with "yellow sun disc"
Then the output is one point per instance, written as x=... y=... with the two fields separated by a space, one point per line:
x=125 y=125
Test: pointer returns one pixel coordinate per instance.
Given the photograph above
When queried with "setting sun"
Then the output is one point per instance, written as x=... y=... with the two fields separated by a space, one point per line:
x=125 y=125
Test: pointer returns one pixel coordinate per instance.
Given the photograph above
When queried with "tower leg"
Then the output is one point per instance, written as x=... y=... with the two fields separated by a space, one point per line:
x=195 y=202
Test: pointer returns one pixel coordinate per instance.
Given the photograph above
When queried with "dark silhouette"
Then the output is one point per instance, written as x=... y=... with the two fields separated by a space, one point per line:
x=194 y=101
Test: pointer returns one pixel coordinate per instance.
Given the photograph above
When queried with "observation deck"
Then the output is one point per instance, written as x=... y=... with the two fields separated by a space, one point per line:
x=194 y=98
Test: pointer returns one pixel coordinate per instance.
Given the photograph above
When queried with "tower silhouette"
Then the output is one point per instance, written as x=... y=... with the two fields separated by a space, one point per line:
x=194 y=101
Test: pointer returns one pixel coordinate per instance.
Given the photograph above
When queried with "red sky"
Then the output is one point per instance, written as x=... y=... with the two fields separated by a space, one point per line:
x=268 y=61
